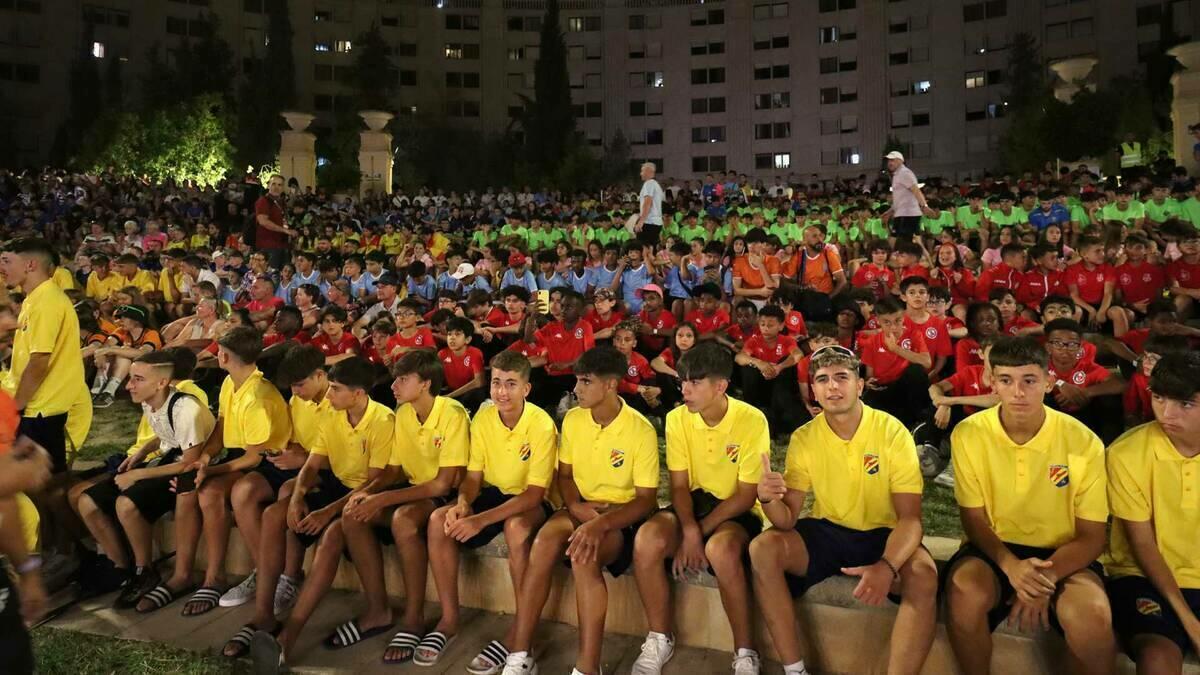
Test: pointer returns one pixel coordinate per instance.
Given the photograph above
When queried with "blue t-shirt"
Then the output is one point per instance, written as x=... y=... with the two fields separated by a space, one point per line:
x=580 y=282
x=631 y=280
x=545 y=283
x=602 y=277
x=426 y=289
x=526 y=280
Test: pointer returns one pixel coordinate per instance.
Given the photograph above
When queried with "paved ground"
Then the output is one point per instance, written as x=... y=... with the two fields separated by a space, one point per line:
x=207 y=633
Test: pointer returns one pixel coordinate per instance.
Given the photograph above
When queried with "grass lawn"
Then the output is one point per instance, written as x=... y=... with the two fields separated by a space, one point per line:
x=113 y=430
x=65 y=651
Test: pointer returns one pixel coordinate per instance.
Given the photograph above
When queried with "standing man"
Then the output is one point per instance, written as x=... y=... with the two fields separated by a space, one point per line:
x=650 y=200
x=271 y=231
x=908 y=202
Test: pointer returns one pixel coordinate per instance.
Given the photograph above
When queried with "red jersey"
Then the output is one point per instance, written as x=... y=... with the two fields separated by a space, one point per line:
x=967 y=353
x=526 y=349
x=998 y=276
x=1136 y=339
x=1140 y=283
x=272 y=303
x=1136 y=398
x=1015 y=324
x=460 y=368
x=639 y=371
x=1083 y=373
x=739 y=334
x=599 y=323
x=269 y=239
x=937 y=337
x=793 y=325
x=952 y=323
x=1037 y=284
x=887 y=366
x=663 y=322
x=1090 y=282
x=271 y=339
x=564 y=345
x=668 y=358
x=706 y=324
x=422 y=339
x=802 y=374
x=968 y=382
x=371 y=353
x=757 y=347
x=1184 y=274
x=347 y=344
x=961 y=283
x=878 y=279
x=498 y=318
x=914 y=270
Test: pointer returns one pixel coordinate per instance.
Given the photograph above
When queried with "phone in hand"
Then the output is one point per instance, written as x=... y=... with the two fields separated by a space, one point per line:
x=543 y=301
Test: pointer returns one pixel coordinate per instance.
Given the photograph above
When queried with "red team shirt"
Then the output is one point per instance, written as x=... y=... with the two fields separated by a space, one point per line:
x=565 y=344
x=599 y=323
x=706 y=324
x=937 y=337
x=1185 y=274
x=1084 y=373
x=422 y=339
x=1037 y=284
x=793 y=324
x=878 y=279
x=1017 y=323
x=999 y=276
x=663 y=322
x=1136 y=399
x=757 y=347
x=1140 y=283
x=886 y=366
x=460 y=368
x=967 y=353
x=962 y=290
x=346 y=345
x=639 y=371
x=968 y=382
x=1090 y=282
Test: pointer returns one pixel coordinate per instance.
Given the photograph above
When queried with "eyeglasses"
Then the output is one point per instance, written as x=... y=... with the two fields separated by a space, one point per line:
x=1061 y=344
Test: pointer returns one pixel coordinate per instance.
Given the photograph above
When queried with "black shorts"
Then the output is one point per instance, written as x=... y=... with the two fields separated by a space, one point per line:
x=650 y=234
x=905 y=226
x=50 y=432
x=153 y=498
x=1139 y=609
x=489 y=498
x=999 y=613
x=703 y=503
x=624 y=558
x=831 y=547
x=108 y=466
x=384 y=532
x=230 y=455
x=105 y=492
x=15 y=644
x=274 y=476
x=327 y=491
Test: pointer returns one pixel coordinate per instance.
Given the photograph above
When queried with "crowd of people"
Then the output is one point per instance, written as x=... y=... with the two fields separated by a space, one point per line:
x=433 y=370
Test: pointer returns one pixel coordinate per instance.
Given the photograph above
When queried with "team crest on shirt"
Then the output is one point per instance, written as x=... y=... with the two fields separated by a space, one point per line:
x=1060 y=475
x=906 y=343
x=871 y=464
x=467 y=361
x=732 y=451
x=579 y=333
x=930 y=333
x=1148 y=607
x=1126 y=279
x=616 y=458
x=1078 y=377
x=524 y=452
x=437 y=442
x=632 y=371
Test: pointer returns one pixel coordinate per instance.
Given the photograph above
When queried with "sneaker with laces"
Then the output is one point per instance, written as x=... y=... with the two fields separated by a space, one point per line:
x=285 y=594
x=745 y=662
x=656 y=651
x=242 y=593
x=946 y=477
x=930 y=459
x=103 y=400
x=520 y=663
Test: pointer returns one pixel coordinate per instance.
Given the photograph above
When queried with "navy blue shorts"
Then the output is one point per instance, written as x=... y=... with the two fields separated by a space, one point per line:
x=999 y=613
x=624 y=558
x=274 y=476
x=1139 y=609
x=384 y=532
x=327 y=491
x=831 y=547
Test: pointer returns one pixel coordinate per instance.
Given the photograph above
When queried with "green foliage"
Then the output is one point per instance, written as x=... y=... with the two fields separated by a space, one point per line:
x=339 y=146
x=83 y=86
x=617 y=165
x=269 y=89
x=374 y=76
x=549 y=118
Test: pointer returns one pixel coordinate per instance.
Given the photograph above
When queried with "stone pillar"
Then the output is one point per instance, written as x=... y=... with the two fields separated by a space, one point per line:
x=1185 y=107
x=297 y=156
x=1072 y=73
x=375 y=153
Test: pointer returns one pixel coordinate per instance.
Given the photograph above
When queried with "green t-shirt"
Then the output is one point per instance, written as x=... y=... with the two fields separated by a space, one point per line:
x=968 y=220
x=1190 y=211
x=687 y=234
x=580 y=237
x=515 y=231
x=1079 y=217
x=876 y=228
x=481 y=238
x=1001 y=218
x=609 y=235
x=1161 y=213
x=1132 y=212
x=934 y=226
x=785 y=231
x=544 y=239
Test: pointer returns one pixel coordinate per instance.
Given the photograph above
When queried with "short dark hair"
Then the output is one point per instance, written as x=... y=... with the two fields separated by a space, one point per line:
x=1166 y=344
x=707 y=360
x=1059 y=300
x=300 y=362
x=822 y=329
x=184 y=361
x=512 y=362
x=457 y=324
x=1014 y=352
x=337 y=312
x=243 y=342
x=914 y=280
x=416 y=268
x=423 y=363
x=772 y=312
x=1177 y=376
x=519 y=292
x=603 y=361
x=908 y=247
x=29 y=247
x=355 y=372
x=940 y=293
x=1000 y=293
x=888 y=305
x=1069 y=325
x=1011 y=249
x=159 y=359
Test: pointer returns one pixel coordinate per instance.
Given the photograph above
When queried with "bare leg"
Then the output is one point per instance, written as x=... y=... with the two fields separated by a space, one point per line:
x=408 y=528
x=518 y=534
x=546 y=553
x=912 y=635
x=972 y=591
x=443 y=559
x=187 y=539
x=1156 y=655
x=102 y=528
x=251 y=495
x=1086 y=619
x=319 y=581
x=139 y=532
x=212 y=496
x=591 y=602
x=367 y=555
x=772 y=554
x=725 y=551
x=656 y=540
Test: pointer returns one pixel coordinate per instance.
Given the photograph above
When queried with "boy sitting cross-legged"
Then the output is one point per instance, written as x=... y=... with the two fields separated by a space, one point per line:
x=353 y=447
x=715 y=448
x=608 y=477
x=514 y=445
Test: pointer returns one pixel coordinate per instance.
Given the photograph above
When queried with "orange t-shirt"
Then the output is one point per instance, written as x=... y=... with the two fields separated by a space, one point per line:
x=819 y=271
x=751 y=277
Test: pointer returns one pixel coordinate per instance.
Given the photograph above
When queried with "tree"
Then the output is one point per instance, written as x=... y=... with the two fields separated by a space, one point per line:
x=617 y=163
x=549 y=119
x=83 y=88
x=269 y=90
x=1023 y=148
x=114 y=86
x=374 y=76
x=1026 y=74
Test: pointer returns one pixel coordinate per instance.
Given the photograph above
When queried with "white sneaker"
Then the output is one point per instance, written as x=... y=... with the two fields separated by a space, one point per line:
x=946 y=477
x=242 y=593
x=520 y=663
x=576 y=671
x=656 y=651
x=797 y=669
x=930 y=459
x=745 y=662
x=286 y=591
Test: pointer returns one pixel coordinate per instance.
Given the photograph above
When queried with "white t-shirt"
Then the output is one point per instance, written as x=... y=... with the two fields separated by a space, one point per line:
x=654 y=191
x=904 y=202
x=193 y=422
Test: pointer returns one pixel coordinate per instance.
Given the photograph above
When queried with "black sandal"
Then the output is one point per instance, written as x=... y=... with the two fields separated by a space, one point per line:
x=349 y=634
x=403 y=640
x=160 y=596
x=207 y=597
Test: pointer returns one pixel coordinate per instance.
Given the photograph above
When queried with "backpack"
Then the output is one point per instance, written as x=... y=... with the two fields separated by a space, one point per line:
x=813 y=305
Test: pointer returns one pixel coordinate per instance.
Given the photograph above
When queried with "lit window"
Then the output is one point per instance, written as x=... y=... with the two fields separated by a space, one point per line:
x=98 y=50
x=783 y=160
x=321 y=47
x=343 y=46
x=922 y=86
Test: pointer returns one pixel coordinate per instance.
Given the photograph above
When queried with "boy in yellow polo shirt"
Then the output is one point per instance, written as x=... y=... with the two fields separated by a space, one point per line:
x=1154 y=491
x=1030 y=484
x=514 y=445
x=861 y=466
x=715 y=450
x=353 y=446
x=429 y=454
x=608 y=477
x=253 y=419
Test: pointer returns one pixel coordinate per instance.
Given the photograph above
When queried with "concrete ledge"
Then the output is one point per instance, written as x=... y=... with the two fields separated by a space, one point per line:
x=839 y=634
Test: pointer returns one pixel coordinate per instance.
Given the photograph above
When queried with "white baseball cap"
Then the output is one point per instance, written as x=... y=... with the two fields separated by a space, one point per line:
x=894 y=155
x=464 y=270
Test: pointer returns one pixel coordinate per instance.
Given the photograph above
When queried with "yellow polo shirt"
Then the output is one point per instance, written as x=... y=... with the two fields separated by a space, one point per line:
x=101 y=289
x=718 y=458
x=609 y=463
x=352 y=450
x=513 y=459
x=144 y=280
x=307 y=418
x=47 y=324
x=853 y=481
x=254 y=414
x=1032 y=493
x=63 y=278
x=1148 y=480
x=443 y=440
x=145 y=434
x=168 y=294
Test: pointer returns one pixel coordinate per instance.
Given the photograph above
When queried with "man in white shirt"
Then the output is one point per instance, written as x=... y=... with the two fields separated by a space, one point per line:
x=908 y=203
x=650 y=200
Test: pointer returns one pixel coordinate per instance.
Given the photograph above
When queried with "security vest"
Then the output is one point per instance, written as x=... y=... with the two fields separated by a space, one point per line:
x=1131 y=154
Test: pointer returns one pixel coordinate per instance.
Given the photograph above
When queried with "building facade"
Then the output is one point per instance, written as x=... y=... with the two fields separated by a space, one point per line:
x=763 y=87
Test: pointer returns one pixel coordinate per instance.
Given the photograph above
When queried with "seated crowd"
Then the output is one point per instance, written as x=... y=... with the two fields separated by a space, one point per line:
x=431 y=372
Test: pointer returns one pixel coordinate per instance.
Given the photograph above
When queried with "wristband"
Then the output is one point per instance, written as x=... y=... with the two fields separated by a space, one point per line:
x=31 y=564
x=895 y=574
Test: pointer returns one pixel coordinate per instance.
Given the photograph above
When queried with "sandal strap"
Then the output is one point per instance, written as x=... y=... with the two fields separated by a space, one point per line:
x=495 y=652
x=159 y=596
x=348 y=633
x=404 y=640
x=205 y=595
x=435 y=642
x=243 y=636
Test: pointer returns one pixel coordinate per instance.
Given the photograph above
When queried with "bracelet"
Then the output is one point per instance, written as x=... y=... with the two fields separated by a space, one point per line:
x=31 y=564
x=895 y=574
